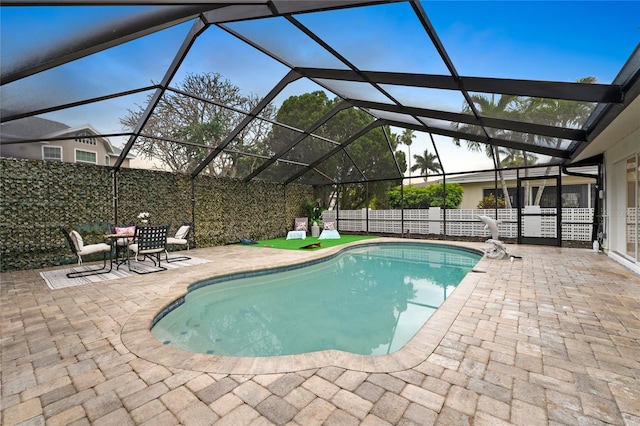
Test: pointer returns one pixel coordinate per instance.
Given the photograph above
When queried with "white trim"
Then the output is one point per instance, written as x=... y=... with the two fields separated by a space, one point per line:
x=625 y=261
x=75 y=156
x=52 y=159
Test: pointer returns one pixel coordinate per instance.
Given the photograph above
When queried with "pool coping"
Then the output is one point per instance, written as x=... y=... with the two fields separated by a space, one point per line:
x=136 y=332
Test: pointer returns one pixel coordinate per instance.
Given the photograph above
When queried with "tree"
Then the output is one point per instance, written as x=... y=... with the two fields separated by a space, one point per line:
x=201 y=126
x=506 y=106
x=369 y=155
x=561 y=113
x=412 y=197
x=426 y=163
x=553 y=112
x=516 y=158
x=407 y=139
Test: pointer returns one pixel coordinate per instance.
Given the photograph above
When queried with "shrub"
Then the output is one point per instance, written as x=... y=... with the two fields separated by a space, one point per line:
x=489 y=202
x=425 y=197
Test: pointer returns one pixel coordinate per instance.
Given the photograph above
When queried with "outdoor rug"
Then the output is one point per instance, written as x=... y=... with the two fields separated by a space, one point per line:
x=58 y=279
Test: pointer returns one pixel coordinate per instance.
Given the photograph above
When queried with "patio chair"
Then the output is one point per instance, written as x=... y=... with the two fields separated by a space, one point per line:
x=300 y=229
x=80 y=249
x=181 y=238
x=149 y=241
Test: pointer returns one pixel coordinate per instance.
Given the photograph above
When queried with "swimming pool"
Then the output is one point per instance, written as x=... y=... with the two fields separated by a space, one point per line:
x=366 y=300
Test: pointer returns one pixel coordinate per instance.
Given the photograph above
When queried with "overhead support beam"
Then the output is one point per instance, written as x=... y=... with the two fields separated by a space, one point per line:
x=339 y=107
x=483 y=139
x=609 y=113
x=497 y=123
x=584 y=92
x=263 y=9
x=337 y=149
x=112 y=33
x=7 y=118
x=289 y=78
x=9 y=141
x=198 y=28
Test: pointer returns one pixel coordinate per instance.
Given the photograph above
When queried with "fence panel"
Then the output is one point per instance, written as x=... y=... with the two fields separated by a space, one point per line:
x=576 y=222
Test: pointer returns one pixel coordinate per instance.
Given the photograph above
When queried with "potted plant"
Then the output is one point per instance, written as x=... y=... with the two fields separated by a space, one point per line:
x=314 y=213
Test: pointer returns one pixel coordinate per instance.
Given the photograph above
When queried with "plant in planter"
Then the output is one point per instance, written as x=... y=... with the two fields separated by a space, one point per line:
x=314 y=211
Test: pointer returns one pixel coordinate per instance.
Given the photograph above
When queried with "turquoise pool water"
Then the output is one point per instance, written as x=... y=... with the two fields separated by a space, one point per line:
x=367 y=300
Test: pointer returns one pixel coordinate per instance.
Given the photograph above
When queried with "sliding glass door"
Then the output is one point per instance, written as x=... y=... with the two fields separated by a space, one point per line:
x=633 y=199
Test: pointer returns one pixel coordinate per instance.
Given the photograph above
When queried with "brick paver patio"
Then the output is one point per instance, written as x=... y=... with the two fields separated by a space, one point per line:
x=552 y=338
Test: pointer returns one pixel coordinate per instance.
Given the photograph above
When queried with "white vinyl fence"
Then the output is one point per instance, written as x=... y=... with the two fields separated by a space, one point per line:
x=576 y=222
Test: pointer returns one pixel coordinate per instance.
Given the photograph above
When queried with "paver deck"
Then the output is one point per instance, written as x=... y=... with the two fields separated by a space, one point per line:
x=552 y=338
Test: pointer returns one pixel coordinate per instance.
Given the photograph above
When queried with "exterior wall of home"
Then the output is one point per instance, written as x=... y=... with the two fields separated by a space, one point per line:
x=473 y=191
x=112 y=162
x=71 y=147
x=40 y=196
x=28 y=151
x=615 y=195
x=34 y=151
x=473 y=194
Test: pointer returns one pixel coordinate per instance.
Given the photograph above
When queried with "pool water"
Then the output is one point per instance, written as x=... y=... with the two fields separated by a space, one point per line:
x=367 y=300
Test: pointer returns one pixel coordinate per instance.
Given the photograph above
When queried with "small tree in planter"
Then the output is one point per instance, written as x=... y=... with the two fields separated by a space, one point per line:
x=314 y=211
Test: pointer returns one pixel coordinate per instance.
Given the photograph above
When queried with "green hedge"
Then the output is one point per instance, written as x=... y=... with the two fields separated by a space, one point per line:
x=40 y=196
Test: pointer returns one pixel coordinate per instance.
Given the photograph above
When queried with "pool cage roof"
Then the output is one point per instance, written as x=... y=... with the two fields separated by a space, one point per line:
x=455 y=73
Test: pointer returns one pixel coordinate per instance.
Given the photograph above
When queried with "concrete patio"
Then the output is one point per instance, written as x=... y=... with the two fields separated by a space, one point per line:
x=552 y=338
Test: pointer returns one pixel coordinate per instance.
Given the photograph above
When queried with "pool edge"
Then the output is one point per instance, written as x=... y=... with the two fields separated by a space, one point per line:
x=137 y=338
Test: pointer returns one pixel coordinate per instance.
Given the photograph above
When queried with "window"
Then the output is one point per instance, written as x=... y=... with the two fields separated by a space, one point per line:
x=107 y=160
x=86 y=157
x=52 y=153
x=577 y=195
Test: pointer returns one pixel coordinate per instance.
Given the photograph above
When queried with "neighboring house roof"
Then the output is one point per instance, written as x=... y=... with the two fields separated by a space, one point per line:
x=33 y=128
x=29 y=128
x=509 y=174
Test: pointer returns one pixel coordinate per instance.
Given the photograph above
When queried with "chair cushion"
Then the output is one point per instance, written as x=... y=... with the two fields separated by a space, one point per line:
x=177 y=241
x=94 y=248
x=134 y=248
x=301 y=226
x=77 y=240
x=182 y=233
x=329 y=226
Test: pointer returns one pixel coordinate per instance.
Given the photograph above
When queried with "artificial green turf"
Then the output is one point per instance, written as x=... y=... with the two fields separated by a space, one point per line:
x=283 y=243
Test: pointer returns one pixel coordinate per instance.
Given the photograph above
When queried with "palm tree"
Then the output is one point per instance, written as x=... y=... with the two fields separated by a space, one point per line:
x=428 y=162
x=561 y=113
x=506 y=106
x=407 y=139
x=516 y=158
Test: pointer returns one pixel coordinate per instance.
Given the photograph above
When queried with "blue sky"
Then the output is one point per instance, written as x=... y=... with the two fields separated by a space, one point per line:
x=558 y=41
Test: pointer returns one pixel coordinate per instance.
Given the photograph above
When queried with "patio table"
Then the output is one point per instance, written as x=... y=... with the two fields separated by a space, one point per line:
x=119 y=257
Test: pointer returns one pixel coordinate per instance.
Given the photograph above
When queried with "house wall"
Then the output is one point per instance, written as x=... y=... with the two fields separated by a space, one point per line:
x=473 y=194
x=40 y=196
x=473 y=191
x=615 y=196
x=33 y=151
x=30 y=151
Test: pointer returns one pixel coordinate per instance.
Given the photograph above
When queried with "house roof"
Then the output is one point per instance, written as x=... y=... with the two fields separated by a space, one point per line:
x=45 y=130
x=29 y=128
x=398 y=61
x=508 y=174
